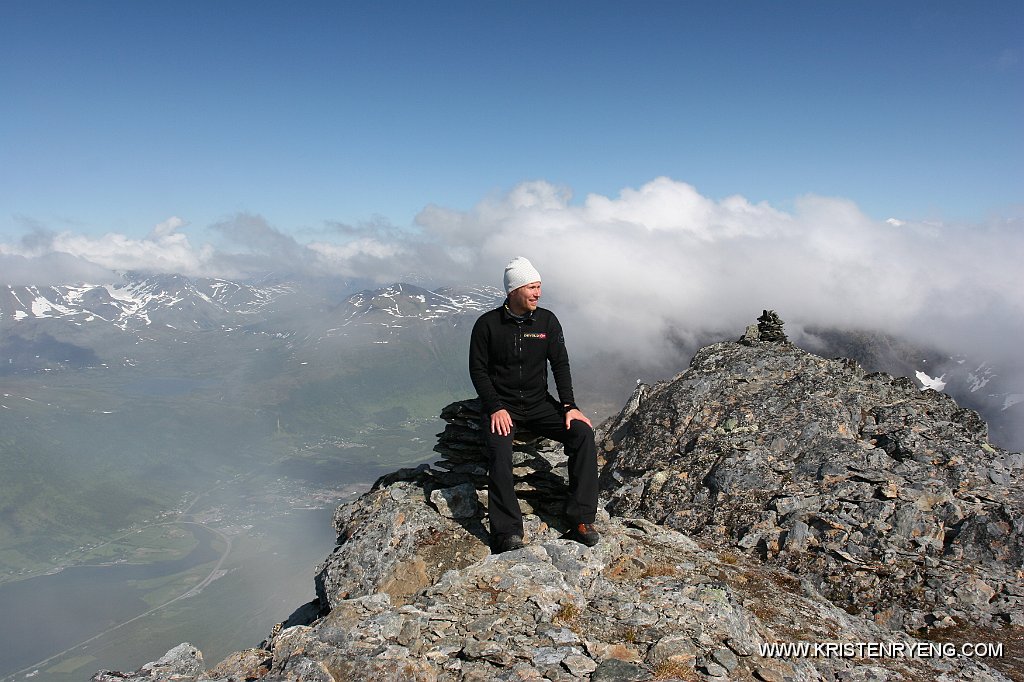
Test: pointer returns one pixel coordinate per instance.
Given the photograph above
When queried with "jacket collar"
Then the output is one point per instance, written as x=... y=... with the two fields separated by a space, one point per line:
x=512 y=317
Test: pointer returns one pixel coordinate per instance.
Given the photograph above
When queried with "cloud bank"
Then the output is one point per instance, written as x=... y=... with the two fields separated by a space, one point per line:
x=635 y=274
x=661 y=261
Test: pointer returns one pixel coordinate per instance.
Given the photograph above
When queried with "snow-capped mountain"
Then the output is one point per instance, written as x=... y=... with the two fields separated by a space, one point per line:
x=400 y=302
x=140 y=302
x=177 y=302
x=142 y=318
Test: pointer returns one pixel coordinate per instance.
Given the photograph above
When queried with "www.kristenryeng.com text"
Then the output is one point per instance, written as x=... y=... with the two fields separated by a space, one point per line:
x=880 y=649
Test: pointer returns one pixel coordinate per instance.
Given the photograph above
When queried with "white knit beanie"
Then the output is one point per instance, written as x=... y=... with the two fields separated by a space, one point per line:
x=518 y=272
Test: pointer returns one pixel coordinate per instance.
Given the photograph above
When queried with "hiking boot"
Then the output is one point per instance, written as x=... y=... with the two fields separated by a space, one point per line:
x=509 y=543
x=583 y=533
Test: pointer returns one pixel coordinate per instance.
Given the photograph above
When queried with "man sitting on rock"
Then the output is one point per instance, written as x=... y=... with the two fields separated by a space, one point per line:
x=509 y=353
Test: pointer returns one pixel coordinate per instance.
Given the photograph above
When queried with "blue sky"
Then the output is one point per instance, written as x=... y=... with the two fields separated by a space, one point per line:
x=116 y=116
x=669 y=167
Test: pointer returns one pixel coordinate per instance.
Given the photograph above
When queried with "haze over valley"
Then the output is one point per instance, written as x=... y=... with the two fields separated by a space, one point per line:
x=129 y=411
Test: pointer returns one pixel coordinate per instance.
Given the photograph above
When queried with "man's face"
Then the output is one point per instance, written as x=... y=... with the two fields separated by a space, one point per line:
x=524 y=299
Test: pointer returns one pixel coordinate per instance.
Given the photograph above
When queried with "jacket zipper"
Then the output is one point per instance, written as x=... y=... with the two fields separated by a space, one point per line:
x=519 y=352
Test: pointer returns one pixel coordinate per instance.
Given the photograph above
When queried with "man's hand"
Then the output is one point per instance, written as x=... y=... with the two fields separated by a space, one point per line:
x=501 y=422
x=569 y=416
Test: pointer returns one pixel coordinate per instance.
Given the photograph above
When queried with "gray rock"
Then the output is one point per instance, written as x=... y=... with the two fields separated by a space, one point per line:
x=769 y=327
x=671 y=649
x=457 y=502
x=614 y=670
x=183 y=663
x=302 y=669
x=768 y=674
x=578 y=665
x=725 y=658
x=715 y=670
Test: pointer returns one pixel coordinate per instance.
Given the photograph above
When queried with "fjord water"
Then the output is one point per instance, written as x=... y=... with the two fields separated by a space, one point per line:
x=66 y=625
x=63 y=609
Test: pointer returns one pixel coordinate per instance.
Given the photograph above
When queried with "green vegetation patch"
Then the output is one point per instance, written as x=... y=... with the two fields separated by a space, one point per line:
x=72 y=664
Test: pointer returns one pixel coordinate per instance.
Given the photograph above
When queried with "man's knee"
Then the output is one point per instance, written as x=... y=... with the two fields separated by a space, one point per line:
x=580 y=434
x=580 y=428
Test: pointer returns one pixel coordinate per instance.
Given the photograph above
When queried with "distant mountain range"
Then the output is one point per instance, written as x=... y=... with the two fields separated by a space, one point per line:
x=62 y=327
x=392 y=304
x=147 y=303
x=140 y=302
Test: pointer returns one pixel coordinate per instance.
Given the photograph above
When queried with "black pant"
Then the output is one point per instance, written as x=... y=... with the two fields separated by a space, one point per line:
x=548 y=421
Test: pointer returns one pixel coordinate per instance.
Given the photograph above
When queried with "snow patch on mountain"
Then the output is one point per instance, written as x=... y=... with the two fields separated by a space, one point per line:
x=980 y=377
x=42 y=307
x=934 y=383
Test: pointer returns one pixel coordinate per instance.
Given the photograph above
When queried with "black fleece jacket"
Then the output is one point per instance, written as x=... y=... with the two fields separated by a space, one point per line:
x=508 y=358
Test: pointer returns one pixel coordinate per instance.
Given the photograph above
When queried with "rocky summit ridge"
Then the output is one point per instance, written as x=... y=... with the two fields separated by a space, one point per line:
x=765 y=497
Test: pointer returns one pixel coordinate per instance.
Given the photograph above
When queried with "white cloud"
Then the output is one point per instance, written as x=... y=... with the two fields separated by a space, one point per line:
x=357 y=257
x=164 y=250
x=631 y=272
x=167 y=227
x=168 y=253
x=49 y=268
x=628 y=272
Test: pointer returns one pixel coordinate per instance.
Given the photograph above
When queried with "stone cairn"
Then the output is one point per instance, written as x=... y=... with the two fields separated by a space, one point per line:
x=768 y=328
x=538 y=464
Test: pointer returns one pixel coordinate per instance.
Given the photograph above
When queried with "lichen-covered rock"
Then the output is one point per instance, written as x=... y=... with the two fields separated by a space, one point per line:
x=457 y=502
x=251 y=664
x=392 y=541
x=646 y=603
x=888 y=497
